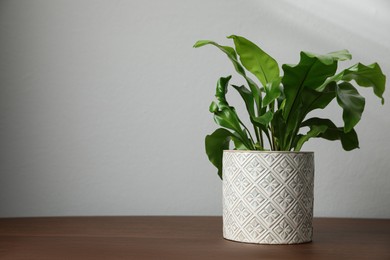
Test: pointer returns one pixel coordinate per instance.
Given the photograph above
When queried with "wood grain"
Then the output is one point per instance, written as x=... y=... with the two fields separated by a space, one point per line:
x=180 y=238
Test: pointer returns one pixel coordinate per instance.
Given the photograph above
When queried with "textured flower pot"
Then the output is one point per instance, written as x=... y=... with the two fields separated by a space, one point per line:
x=268 y=196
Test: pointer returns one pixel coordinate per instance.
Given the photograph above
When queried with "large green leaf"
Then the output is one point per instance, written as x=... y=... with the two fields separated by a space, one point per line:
x=310 y=72
x=367 y=76
x=260 y=121
x=314 y=131
x=264 y=119
x=255 y=60
x=231 y=54
x=219 y=141
x=349 y=140
x=229 y=51
x=215 y=144
x=298 y=81
x=351 y=102
x=331 y=56
x=225 y=115
x=248 y=99
x=364 y=75
x=272 y=92
x=312 y=99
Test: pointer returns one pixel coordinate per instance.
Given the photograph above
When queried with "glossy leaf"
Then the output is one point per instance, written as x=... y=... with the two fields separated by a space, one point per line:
x=331 y=57
x=310 y=72
x=255 y=60
x=348 y=140
x=314 y=131
x=215 y=144
x=231 y=54
x=312 y=99
x=351 y=102
x=225 y=115
x=264 y=119
x=272 y=92
x=229 y=51
x=365 y=76
x=248 y=99
x=299 y=81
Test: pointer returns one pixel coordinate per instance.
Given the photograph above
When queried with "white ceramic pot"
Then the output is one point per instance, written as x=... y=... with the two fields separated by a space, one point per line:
x=268 y=196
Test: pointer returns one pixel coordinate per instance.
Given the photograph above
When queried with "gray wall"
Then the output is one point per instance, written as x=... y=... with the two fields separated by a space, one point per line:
x=104 y=104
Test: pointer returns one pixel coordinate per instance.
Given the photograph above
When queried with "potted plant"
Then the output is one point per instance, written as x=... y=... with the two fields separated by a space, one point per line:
x=267 y=180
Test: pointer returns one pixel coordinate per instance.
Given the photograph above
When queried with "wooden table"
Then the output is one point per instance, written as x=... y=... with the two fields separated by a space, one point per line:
x=180 y=238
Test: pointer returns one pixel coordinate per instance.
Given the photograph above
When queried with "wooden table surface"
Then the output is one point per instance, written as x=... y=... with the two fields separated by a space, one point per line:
x=180 y=238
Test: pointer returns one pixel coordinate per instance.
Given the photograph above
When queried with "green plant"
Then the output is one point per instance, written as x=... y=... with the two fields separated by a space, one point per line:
x=279 y=105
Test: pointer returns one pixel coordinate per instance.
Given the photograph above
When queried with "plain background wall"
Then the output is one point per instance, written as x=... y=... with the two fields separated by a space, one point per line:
x=104 y=104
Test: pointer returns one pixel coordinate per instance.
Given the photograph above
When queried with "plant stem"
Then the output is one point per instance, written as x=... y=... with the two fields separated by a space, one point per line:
x=250 y=136
x=272 y=141
x=260 y=133
x=261 y=139
x=271 y=128
x=257 y=133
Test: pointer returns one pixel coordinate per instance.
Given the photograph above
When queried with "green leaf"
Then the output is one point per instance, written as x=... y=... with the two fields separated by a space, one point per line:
x=248 y=99
x=279 y=128
x=314 y=131
x=264 y=119
x=255 y=60
x=213 y=107
x=225 y=115
x=311 y=71
x=260 y=121
x=238 y=143
x=272 y=92
x=367 y=76
x=331 y=57
x=221 y=90
x=231 y=53
x=351 y=102
x=215 y=144
x=313 y=99
x=348 y=140
x=219 y=141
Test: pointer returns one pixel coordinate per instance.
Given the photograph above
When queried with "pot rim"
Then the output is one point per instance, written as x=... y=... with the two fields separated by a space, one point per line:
x=257 y=151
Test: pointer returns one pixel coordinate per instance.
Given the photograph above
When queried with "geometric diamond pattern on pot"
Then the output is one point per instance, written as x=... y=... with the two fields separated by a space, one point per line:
x=255 y=229
x=285 y=168
x=241 y=213
x=268 y=196
x=283 y=229
x=295 y=214
x=297 y=184
x=284 y=199
x=255 y=168
x=270 y=238
x=270 y=158
x=269 y=184
x=255 y=198
x=230 y=196
x=269 y=214
x=241 y=182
